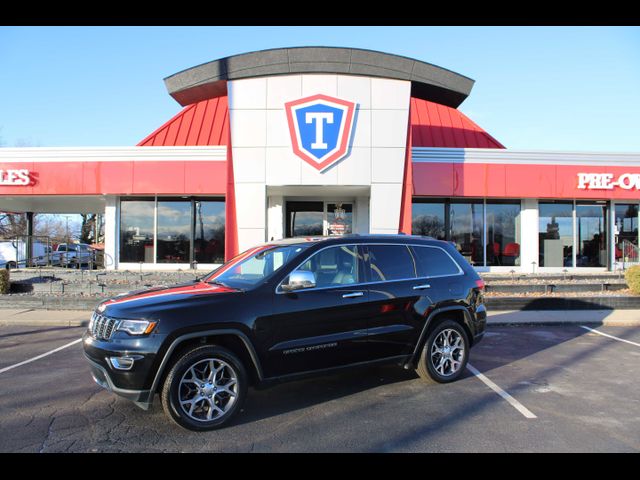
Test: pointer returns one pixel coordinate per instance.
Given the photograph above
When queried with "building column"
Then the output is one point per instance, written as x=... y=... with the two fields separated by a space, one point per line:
x=611 y=235
x=248 y=130
x=529 y=247
x=29 y=251
x=275 y=217
x=111 y=232
x=362 y=216
x=390 y=152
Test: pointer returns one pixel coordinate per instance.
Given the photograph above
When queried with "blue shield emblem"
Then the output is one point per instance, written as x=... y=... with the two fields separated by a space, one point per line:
x=320 y=127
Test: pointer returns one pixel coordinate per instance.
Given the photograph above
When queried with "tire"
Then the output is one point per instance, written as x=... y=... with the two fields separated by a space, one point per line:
x=439 y=364
x=11 y=266
x=215 y=402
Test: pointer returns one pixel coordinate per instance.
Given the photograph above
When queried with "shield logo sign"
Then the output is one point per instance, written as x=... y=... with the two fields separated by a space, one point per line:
x=320 y=127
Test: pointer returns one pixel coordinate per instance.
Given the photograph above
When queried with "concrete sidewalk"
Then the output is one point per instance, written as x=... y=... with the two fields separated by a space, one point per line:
x=65 y=318
x=564 y=317
x=74 y=318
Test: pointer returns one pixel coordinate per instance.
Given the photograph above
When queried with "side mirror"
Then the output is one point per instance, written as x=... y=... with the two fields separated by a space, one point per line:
x=298 y=280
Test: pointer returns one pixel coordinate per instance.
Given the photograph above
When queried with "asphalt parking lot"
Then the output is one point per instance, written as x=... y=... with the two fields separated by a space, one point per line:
x=555 y=389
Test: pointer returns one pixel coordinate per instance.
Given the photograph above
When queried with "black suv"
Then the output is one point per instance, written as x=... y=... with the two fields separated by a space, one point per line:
x=286 y=309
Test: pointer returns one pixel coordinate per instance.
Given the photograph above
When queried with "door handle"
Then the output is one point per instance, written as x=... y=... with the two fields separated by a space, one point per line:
x=353 y=295
x=422 y=287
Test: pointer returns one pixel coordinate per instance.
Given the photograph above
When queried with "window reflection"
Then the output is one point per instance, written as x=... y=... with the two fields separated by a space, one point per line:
x=467 y=229
x=428 y=219
x=503 y=234
x=136 y=230
x=305 y=219
x=187 y=230
x=627 y=228
x=174 y=231
x=592 y=235
x=555 y=227
x=209 y=231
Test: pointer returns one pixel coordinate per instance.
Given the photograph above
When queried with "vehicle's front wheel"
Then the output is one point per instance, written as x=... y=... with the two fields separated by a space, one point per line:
x=205 y=388
x=445 y=353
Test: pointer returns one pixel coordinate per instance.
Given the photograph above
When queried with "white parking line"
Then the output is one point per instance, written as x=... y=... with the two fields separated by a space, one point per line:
x=512 y=401
x=10 y=367
x=610 y=336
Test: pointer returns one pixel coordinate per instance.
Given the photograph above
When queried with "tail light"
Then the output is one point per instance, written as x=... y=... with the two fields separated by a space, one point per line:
x=480 y=284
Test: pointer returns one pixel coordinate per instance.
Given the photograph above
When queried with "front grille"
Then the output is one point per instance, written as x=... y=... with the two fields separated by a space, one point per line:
x=102 y=327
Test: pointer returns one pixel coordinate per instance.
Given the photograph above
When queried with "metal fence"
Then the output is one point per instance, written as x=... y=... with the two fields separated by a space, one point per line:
x=25 y=251
x=630 y=254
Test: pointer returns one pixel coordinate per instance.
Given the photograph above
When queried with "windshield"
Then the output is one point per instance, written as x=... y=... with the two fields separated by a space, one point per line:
x=254 y=265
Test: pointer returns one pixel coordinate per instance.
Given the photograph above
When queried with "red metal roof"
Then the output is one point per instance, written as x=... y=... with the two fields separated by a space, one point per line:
x=435 y=125
x=201 y=123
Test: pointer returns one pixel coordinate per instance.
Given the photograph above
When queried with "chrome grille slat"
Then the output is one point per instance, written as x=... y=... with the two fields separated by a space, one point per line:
x=102 y=327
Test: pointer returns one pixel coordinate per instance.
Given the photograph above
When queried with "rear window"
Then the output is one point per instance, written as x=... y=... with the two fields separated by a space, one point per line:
x=390 y=262
x=433 y=261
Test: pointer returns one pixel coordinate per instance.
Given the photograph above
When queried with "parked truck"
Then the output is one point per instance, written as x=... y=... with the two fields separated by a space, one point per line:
x=13 y=253
x=73 y=255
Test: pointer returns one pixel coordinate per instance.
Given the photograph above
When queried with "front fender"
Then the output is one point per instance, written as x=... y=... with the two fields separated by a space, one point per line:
x=206 y=333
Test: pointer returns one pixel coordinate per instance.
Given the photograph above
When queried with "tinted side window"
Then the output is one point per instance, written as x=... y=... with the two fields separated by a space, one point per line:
x=335 y=266
x=432 y=261
x=390 y=262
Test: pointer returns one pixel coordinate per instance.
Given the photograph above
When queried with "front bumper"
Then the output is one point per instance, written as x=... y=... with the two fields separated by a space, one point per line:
x=142 y=398
x=133 y=384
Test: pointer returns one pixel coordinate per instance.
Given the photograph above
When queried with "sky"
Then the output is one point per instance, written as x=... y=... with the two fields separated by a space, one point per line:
x=545 y=88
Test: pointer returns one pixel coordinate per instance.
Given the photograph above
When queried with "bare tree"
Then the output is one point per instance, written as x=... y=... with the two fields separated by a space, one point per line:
x=12 y=224
x=52 y=226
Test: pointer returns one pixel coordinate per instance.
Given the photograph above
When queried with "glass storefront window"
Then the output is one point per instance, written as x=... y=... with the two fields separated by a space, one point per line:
x=136 y=230
x=208 y=244
x=304 y=219
x=591 y=225
x=428 y=219
x=339 y=218
x=187 y=229
x=503 y=234
x=555 y=227
x=174 y=231
x=466 y=230
x=627 y=229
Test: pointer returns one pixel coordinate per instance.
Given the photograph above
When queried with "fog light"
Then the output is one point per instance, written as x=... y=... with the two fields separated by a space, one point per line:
x=124 y=363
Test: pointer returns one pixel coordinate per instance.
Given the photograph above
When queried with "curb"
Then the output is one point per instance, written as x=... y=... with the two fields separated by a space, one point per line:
x=618 y=318
x=563 y=303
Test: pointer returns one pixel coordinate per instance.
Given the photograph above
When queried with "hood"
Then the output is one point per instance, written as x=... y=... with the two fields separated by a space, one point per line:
x=157 y=297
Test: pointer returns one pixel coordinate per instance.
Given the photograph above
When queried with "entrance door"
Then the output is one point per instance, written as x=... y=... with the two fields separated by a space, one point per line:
x=318 y=218
x=591 y=226
x=304 y=219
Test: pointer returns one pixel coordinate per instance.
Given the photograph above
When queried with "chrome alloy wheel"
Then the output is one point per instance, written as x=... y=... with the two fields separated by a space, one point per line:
x=208 y=389
x=447 y=352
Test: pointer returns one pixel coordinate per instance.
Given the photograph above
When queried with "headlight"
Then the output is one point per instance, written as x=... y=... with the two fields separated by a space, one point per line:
x=136 y=327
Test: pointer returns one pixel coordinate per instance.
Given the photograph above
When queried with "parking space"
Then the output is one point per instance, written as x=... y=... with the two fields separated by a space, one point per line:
x=582 y=388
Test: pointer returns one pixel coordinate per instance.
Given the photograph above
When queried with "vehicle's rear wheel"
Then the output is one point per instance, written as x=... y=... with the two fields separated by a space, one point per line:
x=10 y=265
x=205 y=388
x=445 y=353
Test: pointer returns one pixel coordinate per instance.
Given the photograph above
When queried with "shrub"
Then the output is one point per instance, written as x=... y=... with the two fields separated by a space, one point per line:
x=4 y=281
x=632 y=276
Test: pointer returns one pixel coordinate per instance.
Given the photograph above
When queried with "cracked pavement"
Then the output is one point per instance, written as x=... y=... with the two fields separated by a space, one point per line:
x=583 y=401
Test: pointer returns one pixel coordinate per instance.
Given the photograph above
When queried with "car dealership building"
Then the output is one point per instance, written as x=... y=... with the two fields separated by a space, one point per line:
x=331 y=141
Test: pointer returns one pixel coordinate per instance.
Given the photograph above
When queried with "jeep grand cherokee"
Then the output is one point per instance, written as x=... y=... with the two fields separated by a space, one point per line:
x=286 y=309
